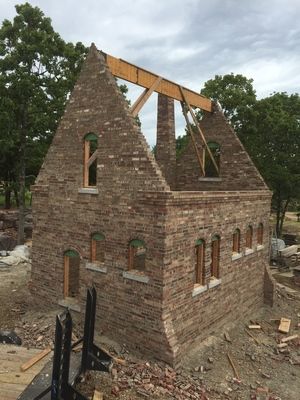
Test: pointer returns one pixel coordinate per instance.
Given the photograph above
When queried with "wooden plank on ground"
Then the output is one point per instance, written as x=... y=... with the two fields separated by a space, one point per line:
x=35 y=359
x=289 y=338
x=97 y=395
x=284 y=326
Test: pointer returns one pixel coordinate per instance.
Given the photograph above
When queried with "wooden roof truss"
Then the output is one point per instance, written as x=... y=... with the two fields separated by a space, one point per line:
x=154 y=83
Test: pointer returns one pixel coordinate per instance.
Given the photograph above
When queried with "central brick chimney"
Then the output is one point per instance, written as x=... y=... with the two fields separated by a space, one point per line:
x=166 y=141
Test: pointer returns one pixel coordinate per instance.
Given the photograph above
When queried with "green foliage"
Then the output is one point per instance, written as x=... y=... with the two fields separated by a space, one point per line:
x=37 y=72
x=236 y=95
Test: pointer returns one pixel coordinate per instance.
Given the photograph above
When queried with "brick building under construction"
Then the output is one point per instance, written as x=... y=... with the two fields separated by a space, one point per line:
x=175 y=248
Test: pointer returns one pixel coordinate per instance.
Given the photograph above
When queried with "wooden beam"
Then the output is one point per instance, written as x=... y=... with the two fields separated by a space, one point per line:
x=138 y=104
x=185 y=99
x=131 y=73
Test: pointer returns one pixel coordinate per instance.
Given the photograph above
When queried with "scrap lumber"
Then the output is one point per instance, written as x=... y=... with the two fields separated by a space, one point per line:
x=282 y=345
x=289 y=338
x=284 y=326
x=254 y=326
x=233 y=366
x=28 y=364
x=97 y=395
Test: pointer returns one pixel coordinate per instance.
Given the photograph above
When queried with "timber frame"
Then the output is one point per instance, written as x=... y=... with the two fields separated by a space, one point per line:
x=154 y=83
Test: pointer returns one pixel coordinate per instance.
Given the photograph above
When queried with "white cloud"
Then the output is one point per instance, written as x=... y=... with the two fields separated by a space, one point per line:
x=187 y=41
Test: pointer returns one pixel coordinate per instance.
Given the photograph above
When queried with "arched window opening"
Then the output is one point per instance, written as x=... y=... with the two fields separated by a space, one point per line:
x=215 y=257
x=200 y=262
x=137 y=255
x=260 y=234
x=249 y=237
x=209 y=167
x=90 y=160
x=71 y=273
x=236 y=241
x=98 y=248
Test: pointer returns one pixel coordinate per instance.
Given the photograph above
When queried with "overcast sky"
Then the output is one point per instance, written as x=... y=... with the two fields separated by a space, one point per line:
x=187 y=41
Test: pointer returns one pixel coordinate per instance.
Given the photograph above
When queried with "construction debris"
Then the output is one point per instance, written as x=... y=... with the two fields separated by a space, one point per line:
x=289 y=338
x=284 y=326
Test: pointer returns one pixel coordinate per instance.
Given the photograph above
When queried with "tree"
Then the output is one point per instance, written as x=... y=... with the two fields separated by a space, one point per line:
x=236 y=95
x=275 y=147
x=37 y=72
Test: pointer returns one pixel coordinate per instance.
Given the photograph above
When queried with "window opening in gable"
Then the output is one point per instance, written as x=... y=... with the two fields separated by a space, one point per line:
x=71 y=273
x=200 y=262
x=215 y=257
x=209 y=168
x=249 y=237
x=236 y=241
x=98 y=248
x=137 y=255
x=260 y=234
x=90 y=160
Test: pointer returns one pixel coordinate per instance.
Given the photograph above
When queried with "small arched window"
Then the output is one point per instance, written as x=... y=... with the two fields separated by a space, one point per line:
x=209 y=167
x=249 y=237
x=90 y=160
x=200 y=262
x=98 y=248
x=71 y=273
x=236 y=241
x=215 y=257
x=260 y=234
x=137 y=255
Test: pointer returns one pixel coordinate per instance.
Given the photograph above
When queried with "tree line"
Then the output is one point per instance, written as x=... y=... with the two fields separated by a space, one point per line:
x=38 y=70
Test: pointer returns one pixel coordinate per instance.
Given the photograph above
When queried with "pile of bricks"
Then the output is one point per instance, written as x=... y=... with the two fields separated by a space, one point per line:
x=156 y=380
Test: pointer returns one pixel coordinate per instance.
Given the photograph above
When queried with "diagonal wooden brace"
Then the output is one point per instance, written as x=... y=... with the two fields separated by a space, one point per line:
x=199 y=130
x=141 y=100
x=92 y=158
x=192 y=137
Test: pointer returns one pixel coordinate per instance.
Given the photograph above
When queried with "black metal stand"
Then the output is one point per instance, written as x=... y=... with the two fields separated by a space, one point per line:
x=93 y=358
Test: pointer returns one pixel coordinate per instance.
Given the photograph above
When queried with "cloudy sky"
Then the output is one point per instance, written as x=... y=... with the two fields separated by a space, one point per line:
x=187 y=41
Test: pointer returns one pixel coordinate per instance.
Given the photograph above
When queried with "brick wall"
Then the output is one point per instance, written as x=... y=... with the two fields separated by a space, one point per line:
x=153 y=311
x=237 y=171
x=166 y=142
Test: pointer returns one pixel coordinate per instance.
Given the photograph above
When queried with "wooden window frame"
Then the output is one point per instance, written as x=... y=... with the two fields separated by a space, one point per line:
x=249 y=237
x=215 y=257
x=96 y=237
x=236 y=241
x=66 y=261
x=260 y=234
x=88 y=159
x=132 y=248
x=200 y=262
